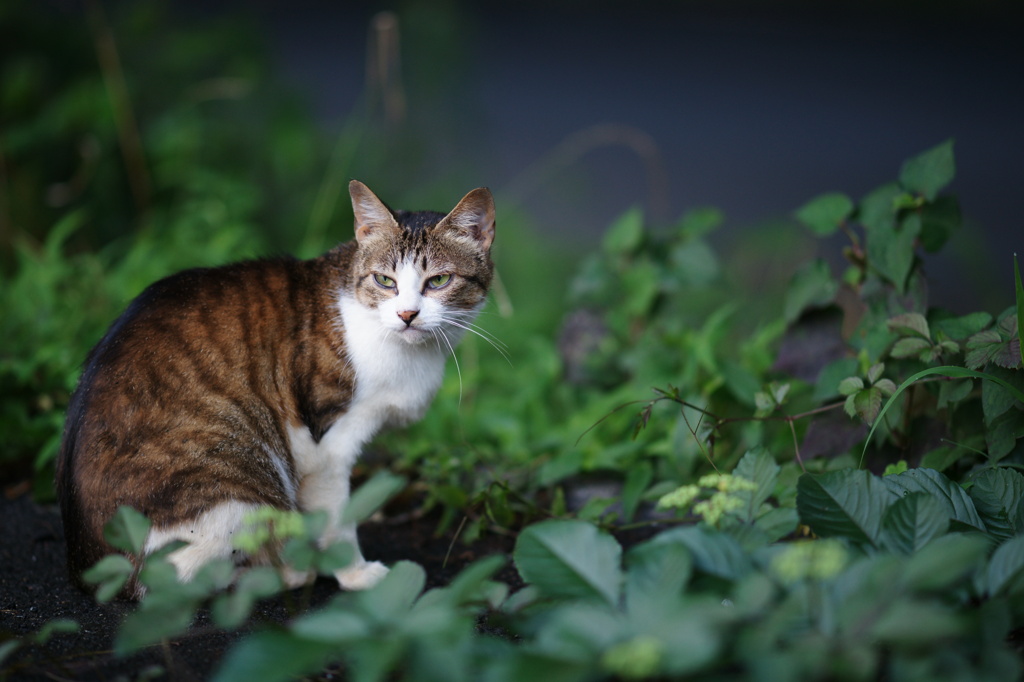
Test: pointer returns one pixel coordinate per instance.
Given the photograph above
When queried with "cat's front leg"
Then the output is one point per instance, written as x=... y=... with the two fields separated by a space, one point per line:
x=328 y=490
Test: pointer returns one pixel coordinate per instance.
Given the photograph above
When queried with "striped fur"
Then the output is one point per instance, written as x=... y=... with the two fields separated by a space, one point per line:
x=220 y=390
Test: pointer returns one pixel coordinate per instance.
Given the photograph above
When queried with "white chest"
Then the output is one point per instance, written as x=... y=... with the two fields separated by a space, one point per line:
x=395 y=383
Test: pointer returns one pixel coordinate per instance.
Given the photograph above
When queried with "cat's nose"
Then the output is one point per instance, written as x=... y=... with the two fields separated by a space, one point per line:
x=408 y=316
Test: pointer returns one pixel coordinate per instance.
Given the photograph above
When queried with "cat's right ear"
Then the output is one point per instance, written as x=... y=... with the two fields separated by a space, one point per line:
x=371 y=214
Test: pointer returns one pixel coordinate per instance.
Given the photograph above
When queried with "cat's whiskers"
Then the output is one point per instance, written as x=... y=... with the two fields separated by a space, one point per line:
x=482 y=333
x=447 y=341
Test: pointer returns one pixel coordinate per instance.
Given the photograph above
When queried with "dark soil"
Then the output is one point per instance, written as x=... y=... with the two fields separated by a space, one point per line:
x=34 y=589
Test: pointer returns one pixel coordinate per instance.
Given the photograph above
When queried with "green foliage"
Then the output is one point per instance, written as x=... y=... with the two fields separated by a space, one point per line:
x=780 y=561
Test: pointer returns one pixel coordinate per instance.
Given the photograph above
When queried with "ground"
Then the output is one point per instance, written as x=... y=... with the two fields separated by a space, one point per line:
x=34 y=589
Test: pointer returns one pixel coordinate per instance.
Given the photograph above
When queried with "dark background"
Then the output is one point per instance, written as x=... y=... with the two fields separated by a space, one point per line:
x=751 y=107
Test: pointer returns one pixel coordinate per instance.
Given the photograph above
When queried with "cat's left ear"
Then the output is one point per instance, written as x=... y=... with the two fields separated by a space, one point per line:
x=371 y=214
x=473 y=217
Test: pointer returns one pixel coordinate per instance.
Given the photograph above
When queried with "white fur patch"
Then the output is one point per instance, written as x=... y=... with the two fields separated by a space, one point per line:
x=209 y=536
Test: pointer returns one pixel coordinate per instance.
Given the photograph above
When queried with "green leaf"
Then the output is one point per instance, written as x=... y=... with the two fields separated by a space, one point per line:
x=274 y=656
x=1005 y=573
x=910 y=324
x=393 y=596
x=371 y=496
x=231 y=609
x=960 y=328
x=945 y=370
x=891 y=251
x=867 y=403
x=109 y=574
x=939 y=219
x=917 y=624
x=656 y=572
x=912 y=522
x=946 y=560
x=638 y=478
x=700 y=221
x=127 y=531
x=927 y=173
x=998 y=495
x=570 y=559
x=954 y=500
x=759 y=467
x=909 y=348
x=812 y=285
x=625 y=234
x=877 y=210
x=824 y=214
x=332 y=625
x=714 y=552
x=848 y=503
x=851 y=385
x=1001 y=436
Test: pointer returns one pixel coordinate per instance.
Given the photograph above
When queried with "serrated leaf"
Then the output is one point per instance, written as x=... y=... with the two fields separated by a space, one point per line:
x=760 y=468
x=875 y=371
x=127 y=530
x=909 y=348
x=849 y=503
x=929 y=172
x=982 y=348
x=570 y=559
x=997 y=495
x=955 y=501
x=824 y=214
x=886 y=386
x=912 y=522
x=1001 y=436
x=867 y=403
x=850 y=385
x=910 y=324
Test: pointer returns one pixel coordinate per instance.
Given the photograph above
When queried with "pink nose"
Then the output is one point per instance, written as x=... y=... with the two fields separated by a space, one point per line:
x=408 y=316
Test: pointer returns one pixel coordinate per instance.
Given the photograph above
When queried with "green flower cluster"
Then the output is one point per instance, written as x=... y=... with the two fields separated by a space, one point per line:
x=723 y=494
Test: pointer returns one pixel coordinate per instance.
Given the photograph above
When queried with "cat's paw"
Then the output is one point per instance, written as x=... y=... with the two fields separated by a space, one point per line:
x=362 y=575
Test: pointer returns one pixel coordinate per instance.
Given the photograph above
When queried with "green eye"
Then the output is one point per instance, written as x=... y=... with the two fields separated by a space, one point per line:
x=384 y=281
x=438 y=281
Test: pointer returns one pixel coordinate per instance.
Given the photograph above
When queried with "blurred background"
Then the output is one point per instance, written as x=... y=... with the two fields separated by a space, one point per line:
x=139 y=138
x=578 y=110
x=574 y=111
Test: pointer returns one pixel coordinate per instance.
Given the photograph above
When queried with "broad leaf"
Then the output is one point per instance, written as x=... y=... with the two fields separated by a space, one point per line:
x=953 y=499
x=1005 y=573
x=945 y=561
x=849 y=503
x=570 y=559
x=912 y=522
x=998 y=495
x=760 y=468
x=714 y=552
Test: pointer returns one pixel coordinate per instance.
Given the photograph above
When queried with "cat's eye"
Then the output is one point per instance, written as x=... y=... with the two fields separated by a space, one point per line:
x=384 y=281
x=438 y=281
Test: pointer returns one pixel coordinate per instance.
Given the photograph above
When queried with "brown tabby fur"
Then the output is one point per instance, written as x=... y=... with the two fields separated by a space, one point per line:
x=201 y=378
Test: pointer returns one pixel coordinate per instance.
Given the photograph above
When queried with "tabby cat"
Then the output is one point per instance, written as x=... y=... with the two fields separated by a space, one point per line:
x=225 y=389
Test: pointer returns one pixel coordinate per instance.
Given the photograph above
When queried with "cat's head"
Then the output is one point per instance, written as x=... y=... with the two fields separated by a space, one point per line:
x=422 y=271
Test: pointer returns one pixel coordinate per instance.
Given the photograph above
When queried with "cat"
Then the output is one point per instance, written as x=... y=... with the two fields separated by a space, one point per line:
x=222 y=390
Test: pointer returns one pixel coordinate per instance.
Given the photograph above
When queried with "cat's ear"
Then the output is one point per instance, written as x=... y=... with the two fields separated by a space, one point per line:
x=371 y=214
x=473 y=217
